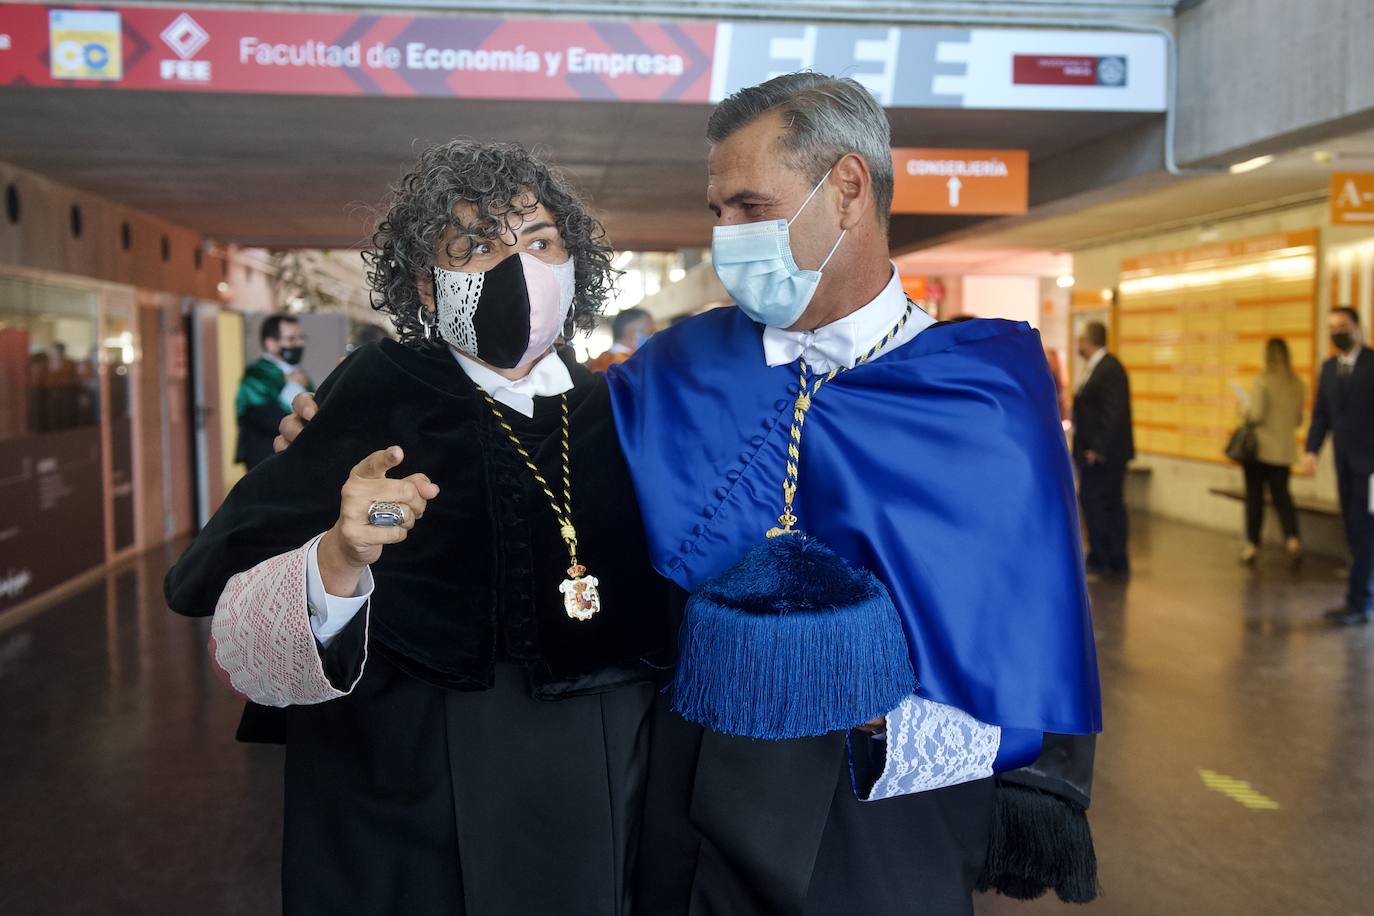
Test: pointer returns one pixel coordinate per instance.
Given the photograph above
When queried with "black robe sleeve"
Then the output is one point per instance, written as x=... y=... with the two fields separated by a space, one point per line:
x=291 y=497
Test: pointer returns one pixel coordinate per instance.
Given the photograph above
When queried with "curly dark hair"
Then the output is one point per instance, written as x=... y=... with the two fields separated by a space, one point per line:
x=498 y=180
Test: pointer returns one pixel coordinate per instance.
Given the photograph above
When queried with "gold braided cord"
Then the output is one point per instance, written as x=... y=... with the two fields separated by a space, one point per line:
x=807 y=391
x=562 y=513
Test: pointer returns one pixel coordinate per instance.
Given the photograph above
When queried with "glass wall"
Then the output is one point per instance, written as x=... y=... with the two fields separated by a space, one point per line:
x=51 y=469
x=49 y=378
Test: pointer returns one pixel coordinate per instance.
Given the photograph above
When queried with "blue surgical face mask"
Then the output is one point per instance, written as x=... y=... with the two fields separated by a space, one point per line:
x=755 y=265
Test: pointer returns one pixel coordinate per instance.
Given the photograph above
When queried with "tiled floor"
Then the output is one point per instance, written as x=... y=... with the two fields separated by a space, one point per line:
x=122 y=790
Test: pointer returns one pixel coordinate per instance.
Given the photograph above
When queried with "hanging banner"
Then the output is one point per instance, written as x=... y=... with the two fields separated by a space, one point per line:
x=326 y=53
x=251 y=51
x=932 y=67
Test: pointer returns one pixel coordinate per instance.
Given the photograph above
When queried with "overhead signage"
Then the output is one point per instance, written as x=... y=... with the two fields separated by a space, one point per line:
x=1274 y=244
x=1058 y=70
x=309 y=53
x=1352 y=198
x=330 y=53
x=960 y=181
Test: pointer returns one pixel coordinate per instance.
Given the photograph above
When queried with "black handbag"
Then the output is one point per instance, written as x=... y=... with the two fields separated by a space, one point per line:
x=1244 y=444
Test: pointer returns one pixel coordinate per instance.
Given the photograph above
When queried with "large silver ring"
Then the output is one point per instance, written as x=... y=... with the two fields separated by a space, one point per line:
x=386 y=515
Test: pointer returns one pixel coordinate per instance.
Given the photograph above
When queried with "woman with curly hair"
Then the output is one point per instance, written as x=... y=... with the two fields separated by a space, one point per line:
x=463 y=651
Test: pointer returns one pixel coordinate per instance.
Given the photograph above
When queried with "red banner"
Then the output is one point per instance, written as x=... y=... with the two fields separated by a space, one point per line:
x=166 y=48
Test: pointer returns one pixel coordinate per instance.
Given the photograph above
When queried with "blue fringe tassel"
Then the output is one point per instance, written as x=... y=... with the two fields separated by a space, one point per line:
x=791 y=642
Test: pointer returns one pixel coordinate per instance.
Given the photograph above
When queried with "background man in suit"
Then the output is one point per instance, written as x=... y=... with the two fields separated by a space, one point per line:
x=1103 y=442
x=1345 y=407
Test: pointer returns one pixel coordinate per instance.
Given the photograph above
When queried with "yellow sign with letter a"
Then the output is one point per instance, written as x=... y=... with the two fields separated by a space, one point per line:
x=85 y=45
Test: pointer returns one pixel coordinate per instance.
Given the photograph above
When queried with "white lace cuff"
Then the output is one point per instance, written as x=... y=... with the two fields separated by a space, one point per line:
x=930 y=746
x=261 y=640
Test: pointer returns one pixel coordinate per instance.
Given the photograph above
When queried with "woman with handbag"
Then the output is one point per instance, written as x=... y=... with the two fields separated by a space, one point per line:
x=1273 y=412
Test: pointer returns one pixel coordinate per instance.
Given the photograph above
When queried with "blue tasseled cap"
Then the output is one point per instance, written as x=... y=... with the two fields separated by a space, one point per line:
x=791 y=642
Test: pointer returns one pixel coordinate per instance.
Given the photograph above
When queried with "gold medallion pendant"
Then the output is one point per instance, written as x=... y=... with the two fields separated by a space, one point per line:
x=581 y=598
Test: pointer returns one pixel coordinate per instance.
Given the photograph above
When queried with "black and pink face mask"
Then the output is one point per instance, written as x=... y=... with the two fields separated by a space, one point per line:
x=506 y=316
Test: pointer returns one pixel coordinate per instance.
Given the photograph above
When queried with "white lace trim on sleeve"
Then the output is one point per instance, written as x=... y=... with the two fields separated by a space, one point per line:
x=261 y=638
x=930 y=746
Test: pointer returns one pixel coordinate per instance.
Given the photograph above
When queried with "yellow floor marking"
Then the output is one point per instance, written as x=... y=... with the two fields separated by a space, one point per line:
x=1238 y=790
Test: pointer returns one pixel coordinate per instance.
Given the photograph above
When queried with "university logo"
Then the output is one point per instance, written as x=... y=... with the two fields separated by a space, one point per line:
x=185 y=37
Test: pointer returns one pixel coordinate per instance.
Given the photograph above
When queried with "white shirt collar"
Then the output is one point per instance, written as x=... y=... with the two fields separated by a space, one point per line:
x=842 y=342
x=1350 y=358
x=548 y=378
x=620 y=348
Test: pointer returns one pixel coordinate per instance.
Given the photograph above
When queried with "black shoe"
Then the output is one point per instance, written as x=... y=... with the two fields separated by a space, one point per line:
x=1345 y=617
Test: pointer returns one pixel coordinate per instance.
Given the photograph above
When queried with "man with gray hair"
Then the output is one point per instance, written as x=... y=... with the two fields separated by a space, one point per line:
x=933 y=460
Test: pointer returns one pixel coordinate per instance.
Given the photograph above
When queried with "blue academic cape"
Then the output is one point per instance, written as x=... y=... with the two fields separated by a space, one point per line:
x=940 y=466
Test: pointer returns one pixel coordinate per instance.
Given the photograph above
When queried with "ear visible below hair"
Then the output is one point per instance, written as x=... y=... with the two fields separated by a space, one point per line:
x=856 y=188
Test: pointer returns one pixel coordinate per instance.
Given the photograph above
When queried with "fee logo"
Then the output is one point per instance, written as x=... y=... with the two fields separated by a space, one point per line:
x=185 y=37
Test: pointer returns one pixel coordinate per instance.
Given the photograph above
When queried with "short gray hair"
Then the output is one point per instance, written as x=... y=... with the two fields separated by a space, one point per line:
x=824 y=118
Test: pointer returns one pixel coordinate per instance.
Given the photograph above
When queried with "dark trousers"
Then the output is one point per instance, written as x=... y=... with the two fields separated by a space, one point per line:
x=1359 y=532
x=1258 y=476
x=1101 y=492
x=737 y=827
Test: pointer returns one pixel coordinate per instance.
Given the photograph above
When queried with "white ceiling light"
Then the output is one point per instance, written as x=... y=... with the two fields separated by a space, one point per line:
x=1249 y=165
x=1065 y=281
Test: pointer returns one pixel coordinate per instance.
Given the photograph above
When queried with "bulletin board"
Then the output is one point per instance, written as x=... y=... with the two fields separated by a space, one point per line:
x=1193 y=323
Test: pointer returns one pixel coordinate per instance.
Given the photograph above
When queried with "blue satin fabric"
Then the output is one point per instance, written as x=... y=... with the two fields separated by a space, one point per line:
x=941 y=467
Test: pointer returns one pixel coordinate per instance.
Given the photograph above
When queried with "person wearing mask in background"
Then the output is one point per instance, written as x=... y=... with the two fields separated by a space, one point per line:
x=1345 y=408
x=631 y=328
x=1103 y=443
x=1274 y=410
x=267 y=387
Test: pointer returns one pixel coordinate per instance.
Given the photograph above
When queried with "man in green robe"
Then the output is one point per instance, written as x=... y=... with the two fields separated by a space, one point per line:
x=268 y=385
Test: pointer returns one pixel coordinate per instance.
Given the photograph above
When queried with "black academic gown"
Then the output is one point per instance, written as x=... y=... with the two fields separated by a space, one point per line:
x=739 y=827
x=491 y=759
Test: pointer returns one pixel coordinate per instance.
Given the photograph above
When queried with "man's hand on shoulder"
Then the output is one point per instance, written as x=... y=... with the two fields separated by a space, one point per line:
x=303 y=410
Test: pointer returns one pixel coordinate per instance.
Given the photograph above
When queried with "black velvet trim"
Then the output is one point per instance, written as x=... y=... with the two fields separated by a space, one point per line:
x=512 y=508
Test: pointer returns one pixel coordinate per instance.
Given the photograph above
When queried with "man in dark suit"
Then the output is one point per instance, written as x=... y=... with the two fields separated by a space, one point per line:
x=1103 y=442
x=1345 y=408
